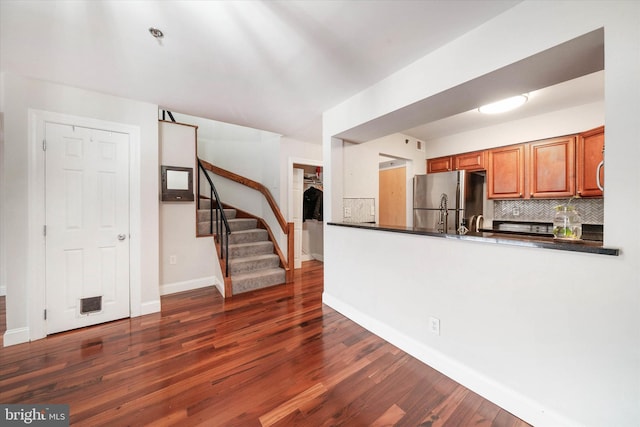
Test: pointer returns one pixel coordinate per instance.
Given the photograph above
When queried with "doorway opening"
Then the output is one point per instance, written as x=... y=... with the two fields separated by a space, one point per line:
x=392 y=190
x=306 y=207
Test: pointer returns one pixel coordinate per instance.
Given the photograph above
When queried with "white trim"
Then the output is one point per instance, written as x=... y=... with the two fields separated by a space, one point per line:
x=188 y=285
x=505 y=397
x=291 y=162
x=149 y=307
x=15 y=336
x=36 y=258
x=3 y=246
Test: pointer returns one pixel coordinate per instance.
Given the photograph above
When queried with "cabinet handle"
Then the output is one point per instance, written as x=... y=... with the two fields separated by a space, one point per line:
x=520 y=195
x=531 y=195
x=598 y=168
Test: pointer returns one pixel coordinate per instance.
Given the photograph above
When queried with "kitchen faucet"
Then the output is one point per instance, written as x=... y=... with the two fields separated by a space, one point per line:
x=444 y=214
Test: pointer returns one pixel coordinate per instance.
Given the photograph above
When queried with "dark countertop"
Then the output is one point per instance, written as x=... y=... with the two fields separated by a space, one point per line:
x=497 y=238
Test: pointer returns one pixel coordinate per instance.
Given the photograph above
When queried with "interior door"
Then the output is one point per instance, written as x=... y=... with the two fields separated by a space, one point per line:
x=87 y=226
x=298 y=179
x=393 y=196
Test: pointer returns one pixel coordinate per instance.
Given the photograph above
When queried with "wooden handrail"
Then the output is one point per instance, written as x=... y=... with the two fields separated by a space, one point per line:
x=251 y=184
x=287 y=227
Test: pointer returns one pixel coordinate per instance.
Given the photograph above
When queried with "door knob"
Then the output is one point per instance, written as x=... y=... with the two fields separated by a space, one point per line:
x=122 y=236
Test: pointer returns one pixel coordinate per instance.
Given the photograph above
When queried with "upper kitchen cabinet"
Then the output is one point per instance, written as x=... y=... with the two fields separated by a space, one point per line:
x=505 y=172
x=552 y=168
x=440 y=164
x=466 y=161
x=589 y=162
x=471 y=161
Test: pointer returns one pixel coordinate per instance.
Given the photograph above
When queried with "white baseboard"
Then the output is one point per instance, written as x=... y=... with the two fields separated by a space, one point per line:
x=3 y=291
x=521 y=406
x=203 y=282
x=15 y=336
x=318 y=257
x=150 y=307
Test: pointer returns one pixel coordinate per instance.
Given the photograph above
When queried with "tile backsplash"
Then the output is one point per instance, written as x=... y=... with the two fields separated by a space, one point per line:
x=361 y=210
x=543 y=210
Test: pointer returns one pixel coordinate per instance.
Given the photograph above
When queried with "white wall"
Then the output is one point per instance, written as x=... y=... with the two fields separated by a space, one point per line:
x=553 y=337
x=249 y=152
x=361 y=167
x=196 y=262
x=262 y=156
x=3 y=270
x=21 y=94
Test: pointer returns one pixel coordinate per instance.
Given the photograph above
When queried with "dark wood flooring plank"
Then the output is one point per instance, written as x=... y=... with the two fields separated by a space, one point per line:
x=274 y=357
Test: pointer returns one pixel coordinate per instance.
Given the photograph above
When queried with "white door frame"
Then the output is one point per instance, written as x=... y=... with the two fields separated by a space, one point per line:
x=36 y=255
x=292 y=161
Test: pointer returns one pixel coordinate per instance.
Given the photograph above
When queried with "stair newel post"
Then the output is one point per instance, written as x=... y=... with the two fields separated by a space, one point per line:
x=218 y=225
x=226 y=250
x=211 y=211
x=198 y=200
x=290 y=254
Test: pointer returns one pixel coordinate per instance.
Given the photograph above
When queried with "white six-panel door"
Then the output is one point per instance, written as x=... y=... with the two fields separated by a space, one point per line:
x=87 y=226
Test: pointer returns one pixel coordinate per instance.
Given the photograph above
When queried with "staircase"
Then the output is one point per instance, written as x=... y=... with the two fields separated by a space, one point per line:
x=252 y=261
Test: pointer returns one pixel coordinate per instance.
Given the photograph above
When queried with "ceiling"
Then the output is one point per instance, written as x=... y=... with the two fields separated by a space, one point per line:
x=579 y=91
x=556 y=78
x=270 y=65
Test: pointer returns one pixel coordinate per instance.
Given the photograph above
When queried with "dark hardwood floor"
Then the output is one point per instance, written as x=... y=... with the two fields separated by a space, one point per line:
x=275 y=357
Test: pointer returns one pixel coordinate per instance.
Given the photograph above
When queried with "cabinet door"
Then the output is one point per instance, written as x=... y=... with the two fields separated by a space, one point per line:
x=590 y=154
x=505 y=172
x=439 y=164
x=471 y=161
x=552 y=168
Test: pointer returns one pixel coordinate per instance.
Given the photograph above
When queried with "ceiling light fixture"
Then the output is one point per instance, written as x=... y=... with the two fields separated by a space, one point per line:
x=156 y=32
x=504 y=105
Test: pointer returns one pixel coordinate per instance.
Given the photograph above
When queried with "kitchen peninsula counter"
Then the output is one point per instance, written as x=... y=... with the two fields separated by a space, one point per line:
x=495 y=238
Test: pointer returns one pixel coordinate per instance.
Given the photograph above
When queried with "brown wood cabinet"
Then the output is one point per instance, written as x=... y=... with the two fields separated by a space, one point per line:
x=471 y=161
x=505 y=172
x=551 y=168
x=440 y=164
x=590 y=152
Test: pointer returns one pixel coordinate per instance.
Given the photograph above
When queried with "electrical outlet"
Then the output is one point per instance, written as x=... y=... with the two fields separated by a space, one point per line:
x=347 y=212
x=516 y=212
x=173 y=259
x=434 y=325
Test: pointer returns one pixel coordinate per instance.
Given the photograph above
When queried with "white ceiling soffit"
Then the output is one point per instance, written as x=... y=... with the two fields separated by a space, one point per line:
x=271 y=65
x=576 y=58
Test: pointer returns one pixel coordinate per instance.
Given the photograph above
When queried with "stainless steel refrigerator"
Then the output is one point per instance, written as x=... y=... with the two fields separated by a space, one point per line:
x=438 y=201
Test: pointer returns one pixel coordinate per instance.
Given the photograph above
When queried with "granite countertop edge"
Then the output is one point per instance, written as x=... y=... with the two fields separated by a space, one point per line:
x=492 y=237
